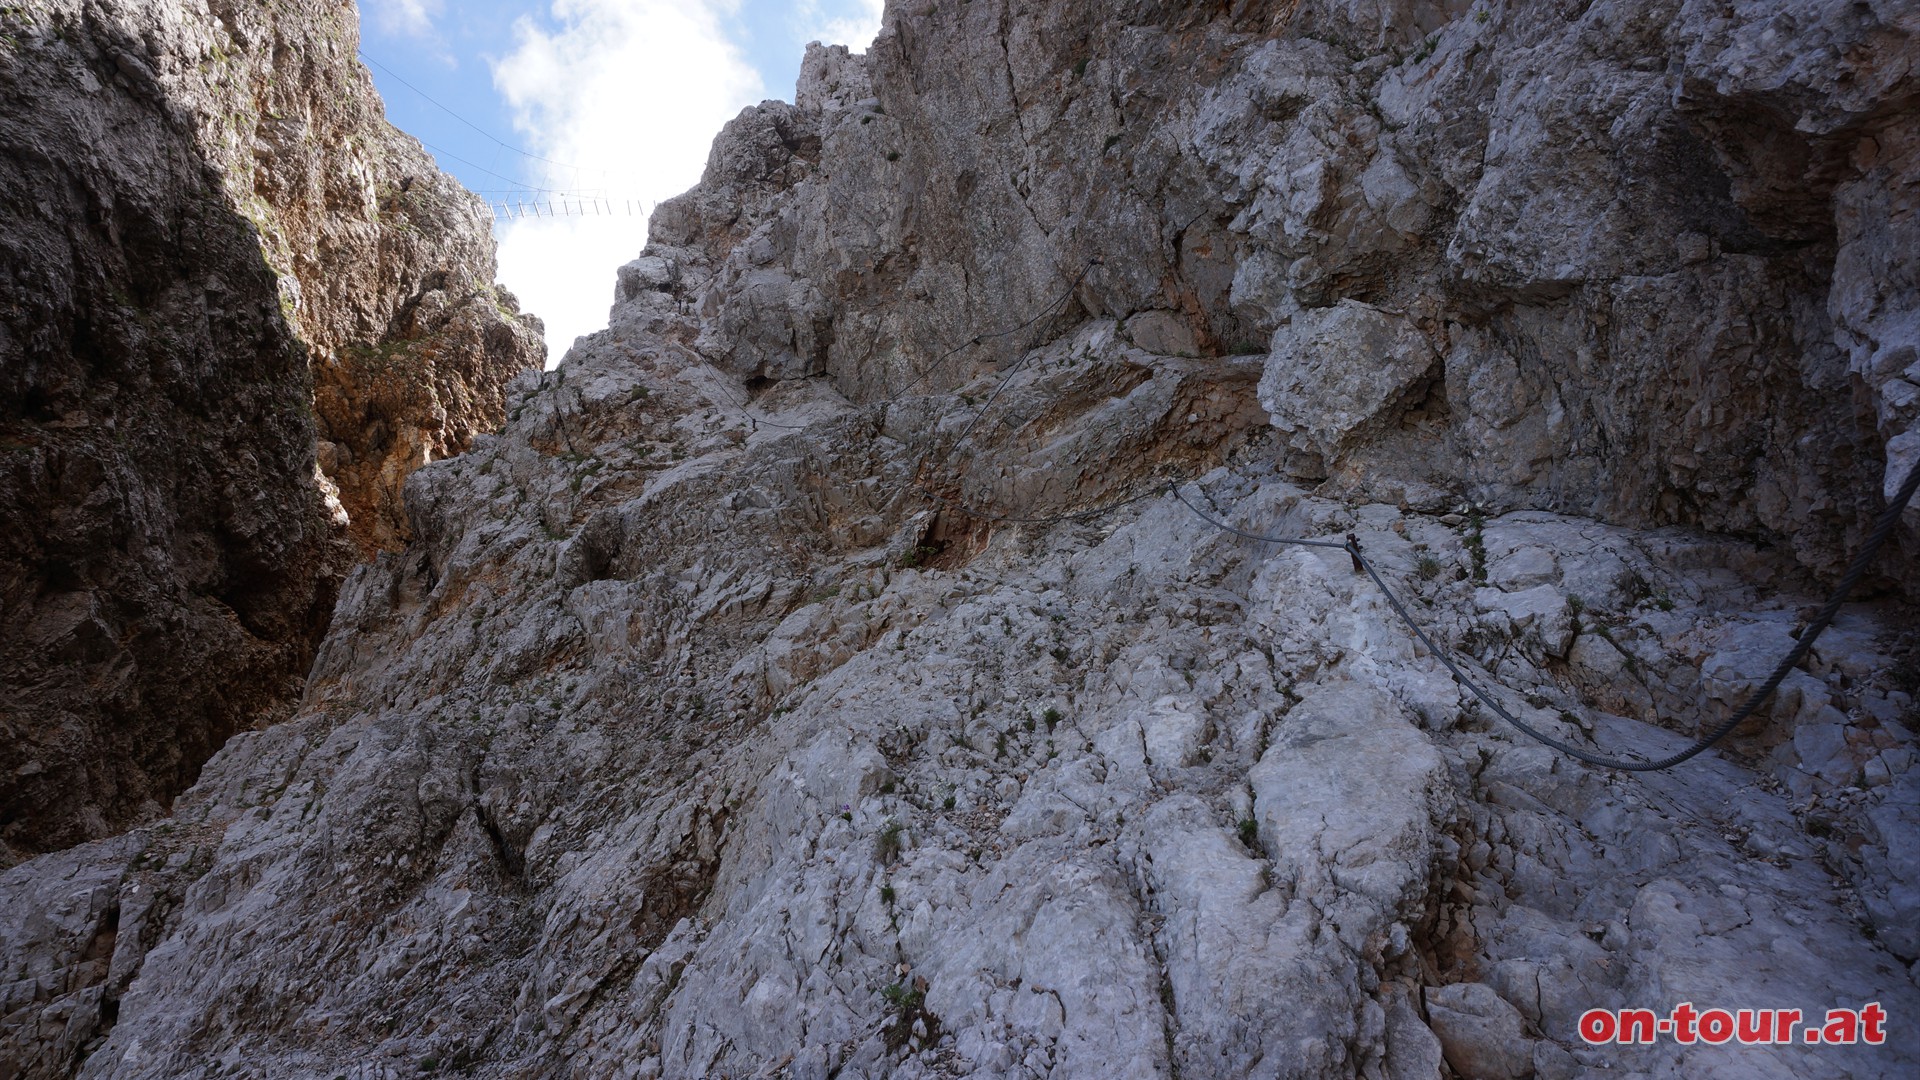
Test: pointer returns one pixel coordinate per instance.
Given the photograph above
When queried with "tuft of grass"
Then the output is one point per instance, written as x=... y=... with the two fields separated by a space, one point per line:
x=908 y=1004
x=1249 y=832
x=889 y=843
x=1428 y=568
x=1477 y=546
x=1052 y=717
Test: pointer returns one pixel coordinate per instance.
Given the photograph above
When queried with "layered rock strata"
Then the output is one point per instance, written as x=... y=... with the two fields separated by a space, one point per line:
x=219 y=257
x=761 y=702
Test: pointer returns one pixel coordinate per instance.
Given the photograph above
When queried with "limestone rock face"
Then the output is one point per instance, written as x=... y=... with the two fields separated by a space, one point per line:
x=385 y=263
x=1645 y=267
x=817 y=677
x=218 y=256
x=1335 y=373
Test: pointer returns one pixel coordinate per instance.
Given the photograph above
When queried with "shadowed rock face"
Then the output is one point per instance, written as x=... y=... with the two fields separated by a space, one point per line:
x=218 y=256
x=729 y=713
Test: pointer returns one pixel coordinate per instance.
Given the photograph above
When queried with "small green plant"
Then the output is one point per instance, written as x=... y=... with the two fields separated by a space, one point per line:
x=1428 y=568
x=888 y=845
x=1249 y=832
x=1052 y=717
x=1000 y=745
x=906 y=1004
x=1080 y=68
x=947 y=803
x=1477 y=546
x=893 y=155
x=887 y=895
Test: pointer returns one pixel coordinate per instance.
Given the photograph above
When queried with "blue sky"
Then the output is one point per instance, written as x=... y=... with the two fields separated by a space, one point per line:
x=606 y=99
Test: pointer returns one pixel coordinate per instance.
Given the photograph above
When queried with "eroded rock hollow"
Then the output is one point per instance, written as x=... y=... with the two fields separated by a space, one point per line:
x=817 y=676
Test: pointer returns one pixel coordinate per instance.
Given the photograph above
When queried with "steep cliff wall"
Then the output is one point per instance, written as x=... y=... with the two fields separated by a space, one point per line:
x=1641 y=261
x=814 y=678
x=218 y=256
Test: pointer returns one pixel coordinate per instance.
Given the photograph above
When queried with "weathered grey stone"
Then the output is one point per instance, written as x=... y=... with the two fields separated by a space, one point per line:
x=1481 y=1035
x=693 y=738
x=1336 y=373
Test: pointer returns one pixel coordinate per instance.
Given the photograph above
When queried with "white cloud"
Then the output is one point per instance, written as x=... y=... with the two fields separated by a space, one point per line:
x=852 y=23
x=411 y=18
x=628 y=93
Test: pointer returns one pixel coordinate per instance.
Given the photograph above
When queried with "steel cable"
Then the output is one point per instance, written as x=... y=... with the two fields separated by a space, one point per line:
x=1883 y=529
x=1863 y=560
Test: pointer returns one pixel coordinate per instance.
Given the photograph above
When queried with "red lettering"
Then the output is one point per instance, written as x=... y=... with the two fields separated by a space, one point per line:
x=1683 y=1017
x=1843 y=1026
x=1756 y=1025
x=1874 y=1018
x=1716 y=1027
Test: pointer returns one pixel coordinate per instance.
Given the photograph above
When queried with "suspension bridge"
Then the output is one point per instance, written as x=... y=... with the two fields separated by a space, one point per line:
x=543 y=204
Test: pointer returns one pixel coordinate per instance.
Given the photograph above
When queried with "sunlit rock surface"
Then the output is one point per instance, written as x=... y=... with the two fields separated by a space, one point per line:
x=719 y=721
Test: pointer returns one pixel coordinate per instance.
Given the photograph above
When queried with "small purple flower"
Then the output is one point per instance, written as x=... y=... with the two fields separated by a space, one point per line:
x=844 y=807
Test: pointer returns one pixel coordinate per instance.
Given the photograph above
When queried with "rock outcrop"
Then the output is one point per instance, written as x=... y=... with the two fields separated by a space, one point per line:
x=218 y=256
x=815 y=677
